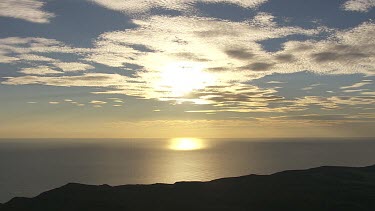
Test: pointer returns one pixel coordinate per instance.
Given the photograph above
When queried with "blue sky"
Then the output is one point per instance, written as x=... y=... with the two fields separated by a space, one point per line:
x=125 y=68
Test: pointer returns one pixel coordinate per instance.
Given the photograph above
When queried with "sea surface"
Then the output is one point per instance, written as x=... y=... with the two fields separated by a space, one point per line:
x=31 y=166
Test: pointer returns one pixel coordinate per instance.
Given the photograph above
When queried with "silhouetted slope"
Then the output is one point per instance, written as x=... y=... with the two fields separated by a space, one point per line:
x=323 y=188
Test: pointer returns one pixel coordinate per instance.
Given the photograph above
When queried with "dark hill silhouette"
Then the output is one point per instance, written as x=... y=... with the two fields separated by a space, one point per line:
x=317 y=189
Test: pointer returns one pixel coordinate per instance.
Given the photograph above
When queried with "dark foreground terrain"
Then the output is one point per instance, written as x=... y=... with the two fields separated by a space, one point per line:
x=318 y=189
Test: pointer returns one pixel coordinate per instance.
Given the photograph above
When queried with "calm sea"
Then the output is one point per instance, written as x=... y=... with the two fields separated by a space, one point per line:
x=29 y=167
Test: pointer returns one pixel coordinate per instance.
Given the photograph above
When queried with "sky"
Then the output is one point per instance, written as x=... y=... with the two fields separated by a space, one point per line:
x=187 y=68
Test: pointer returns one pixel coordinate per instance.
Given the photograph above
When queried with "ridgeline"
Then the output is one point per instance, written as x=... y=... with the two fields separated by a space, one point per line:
x=323 y=189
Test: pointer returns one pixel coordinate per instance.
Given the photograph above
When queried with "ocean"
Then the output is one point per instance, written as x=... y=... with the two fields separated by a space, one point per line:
x=29 y=167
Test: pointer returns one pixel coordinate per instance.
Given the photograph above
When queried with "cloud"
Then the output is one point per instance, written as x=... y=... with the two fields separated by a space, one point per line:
x=34 y=52
x=285 y=57
x=356 y=85
x=327 y=118
x=35 y=58
x=86 y=80
x=240 y=53
x=28 y=10
x=28 y=49
x=142 y=6
x=7 y=59
x=344 y=52
x=203 y=61
x=353 y=90
x=276 y=82
x=258 y=66
x=215 y=50
x=73 y=66
x=368 y=93
x=359 y=5
x=328 y=56
x=317 y=117
x=263 y=19
x=98 y=102
x=224 y=46
x=40 y=70
x=333 y=102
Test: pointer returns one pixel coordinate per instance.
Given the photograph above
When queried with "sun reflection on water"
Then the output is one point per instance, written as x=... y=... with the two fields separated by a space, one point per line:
x=186 y=144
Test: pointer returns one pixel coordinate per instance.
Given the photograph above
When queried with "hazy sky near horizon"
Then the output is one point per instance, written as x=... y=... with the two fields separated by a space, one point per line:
x=196 y=68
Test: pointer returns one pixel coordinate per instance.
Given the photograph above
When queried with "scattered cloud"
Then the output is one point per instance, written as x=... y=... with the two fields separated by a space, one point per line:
x=356 y=85
x=180 y=46
x=27 y=50
x=258 y=66
x=86 y=80
x=200 y=60
x=240 y=53
x=276 y=82
x=35 y=58
x=353 y=90
x=73 y=66
x=344 y=52
x=98 y=102
x=332 y=119
x=359 y=5
x=368 y=93
x=334 y=102
x=28 y=10
x=208 y=41
x=143 y=6
x=40 y=70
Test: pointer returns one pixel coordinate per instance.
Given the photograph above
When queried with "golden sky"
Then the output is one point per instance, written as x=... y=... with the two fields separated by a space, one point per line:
x=187 y=68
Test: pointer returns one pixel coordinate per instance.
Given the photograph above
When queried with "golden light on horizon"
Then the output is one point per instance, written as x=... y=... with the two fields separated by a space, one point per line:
x=186 y=144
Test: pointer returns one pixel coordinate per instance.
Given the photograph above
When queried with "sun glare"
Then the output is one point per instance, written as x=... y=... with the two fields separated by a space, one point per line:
x=181 y=78
x=186 y=144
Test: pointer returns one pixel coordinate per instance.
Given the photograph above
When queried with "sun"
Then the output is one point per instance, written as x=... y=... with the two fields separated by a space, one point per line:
x=186 y=144
x=181 y=78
